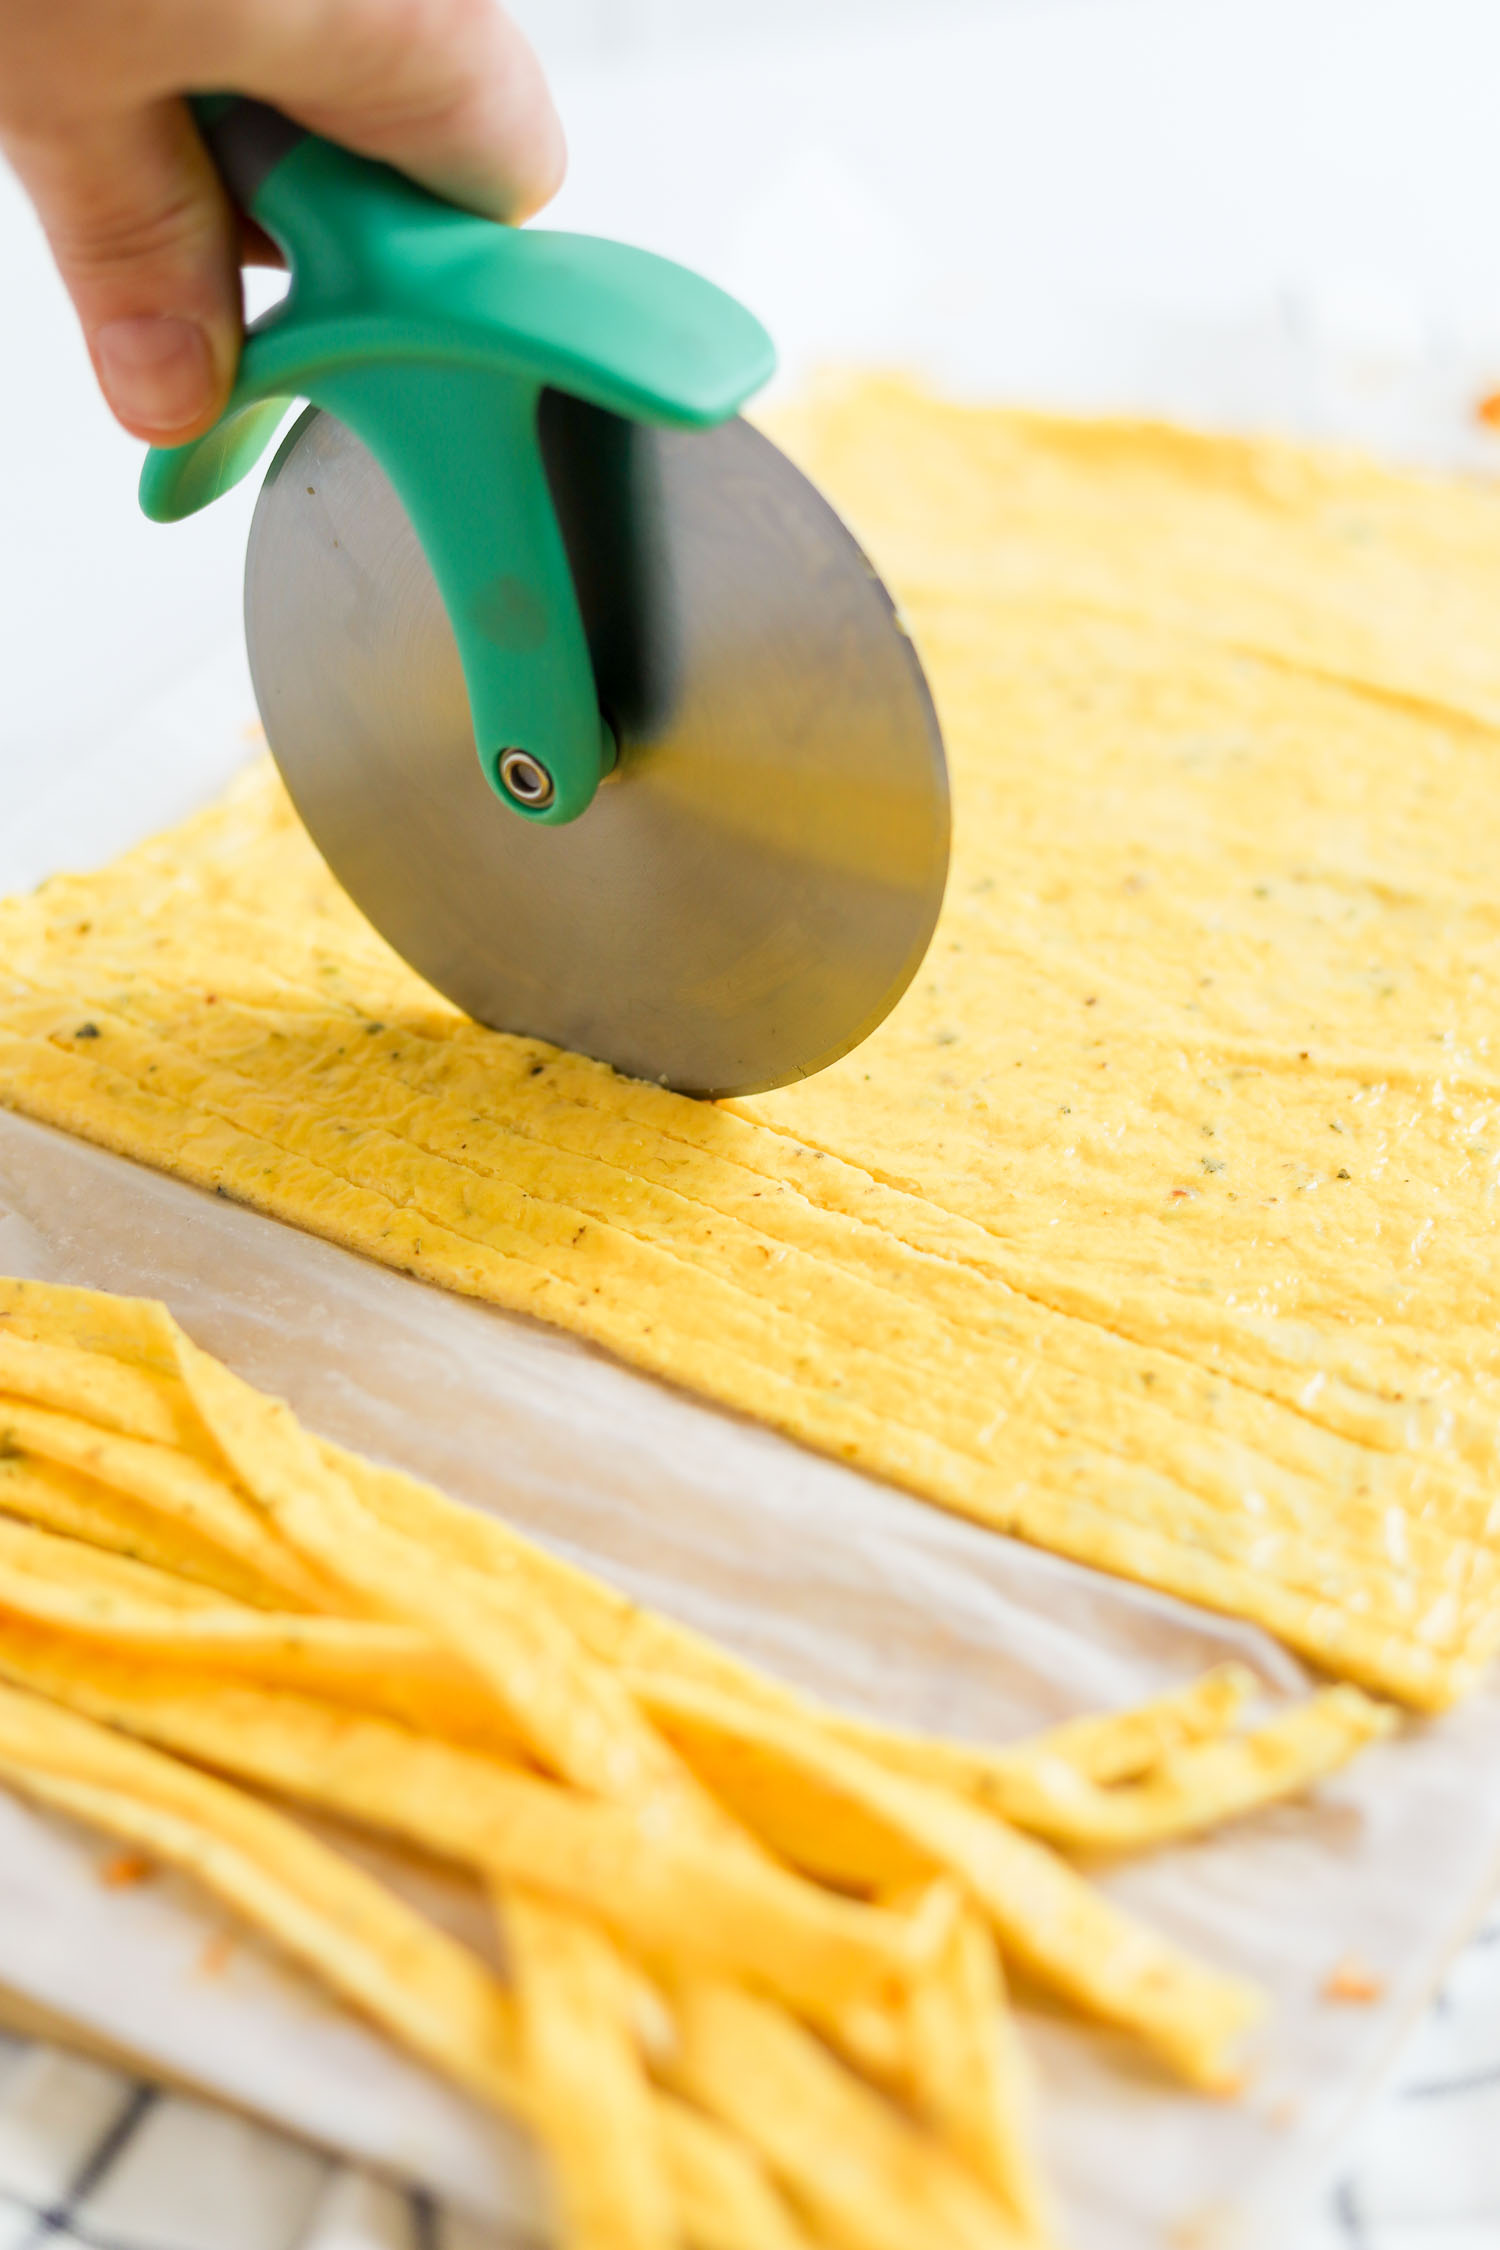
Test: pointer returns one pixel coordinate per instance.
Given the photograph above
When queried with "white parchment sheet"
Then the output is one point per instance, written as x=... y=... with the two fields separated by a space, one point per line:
x=838 y=1582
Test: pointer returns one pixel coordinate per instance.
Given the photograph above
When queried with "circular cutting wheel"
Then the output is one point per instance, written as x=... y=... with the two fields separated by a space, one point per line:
x=755 y=884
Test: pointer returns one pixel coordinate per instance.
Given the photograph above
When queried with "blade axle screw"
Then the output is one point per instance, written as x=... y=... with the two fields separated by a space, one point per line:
x=526 y=779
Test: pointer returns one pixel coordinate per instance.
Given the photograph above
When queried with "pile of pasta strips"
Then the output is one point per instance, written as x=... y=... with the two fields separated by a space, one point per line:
x=756 y=1949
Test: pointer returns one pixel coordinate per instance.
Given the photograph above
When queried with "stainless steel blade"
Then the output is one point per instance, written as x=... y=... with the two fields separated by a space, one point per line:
x=754 y=886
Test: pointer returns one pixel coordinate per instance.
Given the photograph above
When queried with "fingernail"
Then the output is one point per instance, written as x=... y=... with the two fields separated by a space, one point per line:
x=157 y=372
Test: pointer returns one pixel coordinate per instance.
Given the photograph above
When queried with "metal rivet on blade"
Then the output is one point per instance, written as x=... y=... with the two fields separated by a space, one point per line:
x=526 y=779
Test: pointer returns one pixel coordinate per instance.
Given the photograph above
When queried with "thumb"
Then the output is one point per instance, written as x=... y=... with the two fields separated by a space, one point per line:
x=147 y=245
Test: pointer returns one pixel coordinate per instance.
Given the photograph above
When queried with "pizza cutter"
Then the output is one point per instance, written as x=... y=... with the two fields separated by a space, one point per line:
x=590 y=701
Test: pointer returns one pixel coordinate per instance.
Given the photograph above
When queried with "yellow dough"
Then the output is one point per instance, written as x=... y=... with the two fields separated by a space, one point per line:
x=1158 y=1223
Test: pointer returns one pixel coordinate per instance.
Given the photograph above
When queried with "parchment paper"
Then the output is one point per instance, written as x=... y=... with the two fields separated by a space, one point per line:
x=837 y=1582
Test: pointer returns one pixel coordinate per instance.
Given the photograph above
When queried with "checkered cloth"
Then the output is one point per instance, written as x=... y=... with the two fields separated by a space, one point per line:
x=89 y=2159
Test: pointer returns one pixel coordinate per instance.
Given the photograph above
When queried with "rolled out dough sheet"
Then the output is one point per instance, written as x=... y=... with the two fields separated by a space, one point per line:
x=1156 y=1225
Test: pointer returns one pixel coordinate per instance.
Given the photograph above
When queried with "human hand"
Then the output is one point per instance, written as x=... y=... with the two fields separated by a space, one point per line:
x=92 y=120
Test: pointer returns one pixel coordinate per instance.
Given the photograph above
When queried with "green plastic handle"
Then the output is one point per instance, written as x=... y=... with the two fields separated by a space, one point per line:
x=432 y=334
